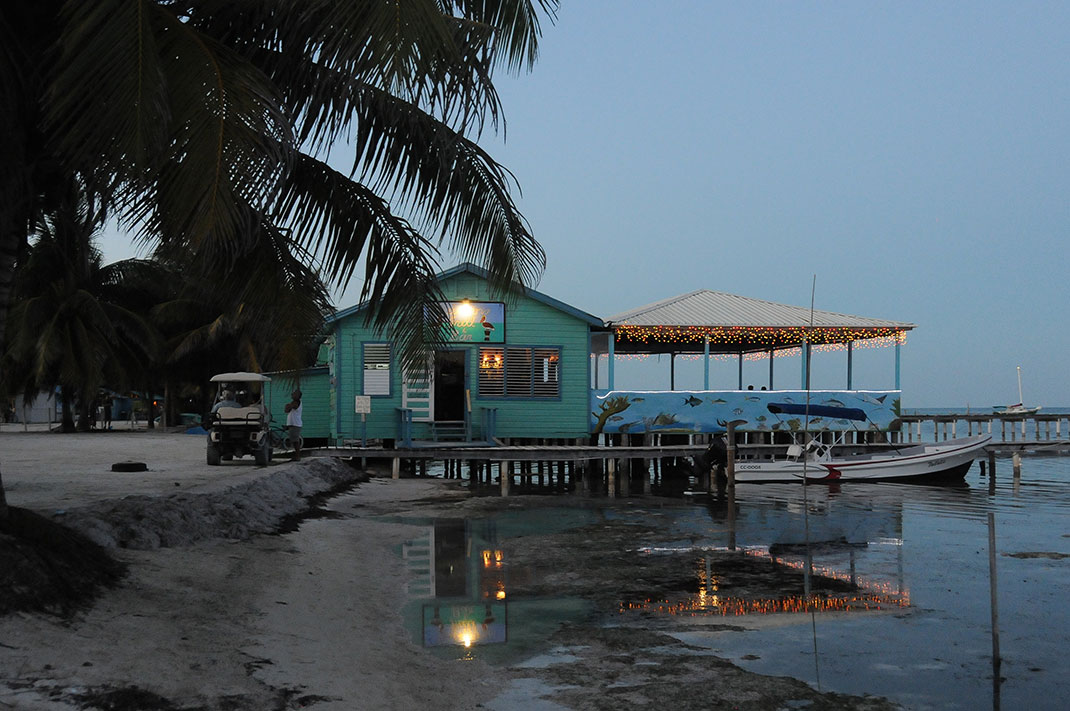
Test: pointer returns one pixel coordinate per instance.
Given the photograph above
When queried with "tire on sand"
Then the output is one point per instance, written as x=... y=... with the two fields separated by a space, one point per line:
x=214 y=456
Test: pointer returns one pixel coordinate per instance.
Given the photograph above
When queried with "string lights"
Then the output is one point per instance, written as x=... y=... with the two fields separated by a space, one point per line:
x=769 y=337
x=781 y=342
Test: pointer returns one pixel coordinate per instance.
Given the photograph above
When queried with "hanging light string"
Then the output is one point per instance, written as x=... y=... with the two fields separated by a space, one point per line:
x=774 y=337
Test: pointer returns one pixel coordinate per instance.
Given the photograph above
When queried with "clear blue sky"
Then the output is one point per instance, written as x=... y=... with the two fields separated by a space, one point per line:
x=914 y=156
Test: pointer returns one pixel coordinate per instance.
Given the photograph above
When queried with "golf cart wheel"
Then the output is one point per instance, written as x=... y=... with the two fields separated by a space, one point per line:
x=262 y=455
x=214 y=456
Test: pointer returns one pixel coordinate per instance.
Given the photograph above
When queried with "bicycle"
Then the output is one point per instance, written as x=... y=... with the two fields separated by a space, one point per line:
x=280 y=438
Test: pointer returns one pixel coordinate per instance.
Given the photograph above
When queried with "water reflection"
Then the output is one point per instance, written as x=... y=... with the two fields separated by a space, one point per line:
x=458 y=589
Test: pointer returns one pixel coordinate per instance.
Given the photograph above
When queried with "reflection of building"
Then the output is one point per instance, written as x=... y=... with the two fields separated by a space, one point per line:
x=462 y=578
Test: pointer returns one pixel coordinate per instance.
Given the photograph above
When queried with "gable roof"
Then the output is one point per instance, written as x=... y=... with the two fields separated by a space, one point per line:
x=468 y=267
x=718 y=309
x=737 y=324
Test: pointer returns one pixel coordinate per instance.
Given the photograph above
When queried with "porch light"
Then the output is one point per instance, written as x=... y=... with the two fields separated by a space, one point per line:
x=464 y=311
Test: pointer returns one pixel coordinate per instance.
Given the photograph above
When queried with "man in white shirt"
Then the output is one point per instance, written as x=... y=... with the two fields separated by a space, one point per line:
x=294 y=423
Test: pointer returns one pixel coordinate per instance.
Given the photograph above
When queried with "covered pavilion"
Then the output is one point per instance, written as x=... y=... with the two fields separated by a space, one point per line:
x=716 y=323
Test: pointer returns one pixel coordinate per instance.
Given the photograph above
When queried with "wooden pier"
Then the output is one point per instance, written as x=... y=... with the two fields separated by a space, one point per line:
x=590 y=469
x=621 y=468
x=1029 y=434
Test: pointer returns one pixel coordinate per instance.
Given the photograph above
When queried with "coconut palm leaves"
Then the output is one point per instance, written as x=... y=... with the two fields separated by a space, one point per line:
x=218 y=115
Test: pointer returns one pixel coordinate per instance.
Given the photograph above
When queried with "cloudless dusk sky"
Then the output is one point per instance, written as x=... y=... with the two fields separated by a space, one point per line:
x=914 y=156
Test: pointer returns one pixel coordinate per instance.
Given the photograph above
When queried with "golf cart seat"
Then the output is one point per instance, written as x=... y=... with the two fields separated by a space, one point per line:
x=250 y=415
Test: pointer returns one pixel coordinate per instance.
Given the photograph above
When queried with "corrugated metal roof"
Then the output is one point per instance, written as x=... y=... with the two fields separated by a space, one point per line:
x=718 y=309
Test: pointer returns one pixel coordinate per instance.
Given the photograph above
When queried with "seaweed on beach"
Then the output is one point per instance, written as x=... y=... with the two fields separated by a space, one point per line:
x=47 y=567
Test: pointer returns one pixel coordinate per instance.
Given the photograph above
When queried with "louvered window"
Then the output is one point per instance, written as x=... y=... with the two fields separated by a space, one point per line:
x=519 y=372
x=492 y=372
x=376 y=368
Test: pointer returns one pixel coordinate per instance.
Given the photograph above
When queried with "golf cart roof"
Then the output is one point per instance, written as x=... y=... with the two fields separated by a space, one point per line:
x=240 y=378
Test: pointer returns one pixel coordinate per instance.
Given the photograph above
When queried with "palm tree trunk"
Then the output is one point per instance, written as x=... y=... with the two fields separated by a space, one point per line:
x=3 y=504
x=10 y=239
x=67 y=398
x=84 y=405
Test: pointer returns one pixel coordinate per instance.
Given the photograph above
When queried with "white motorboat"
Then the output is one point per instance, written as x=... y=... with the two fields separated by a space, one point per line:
x=934 y=461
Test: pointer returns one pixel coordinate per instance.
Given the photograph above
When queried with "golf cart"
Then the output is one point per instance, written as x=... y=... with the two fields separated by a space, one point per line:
x=240 y=420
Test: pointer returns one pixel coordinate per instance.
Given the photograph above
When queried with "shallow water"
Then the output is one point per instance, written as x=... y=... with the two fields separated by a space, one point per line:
x=919 y=626
x=938 y=652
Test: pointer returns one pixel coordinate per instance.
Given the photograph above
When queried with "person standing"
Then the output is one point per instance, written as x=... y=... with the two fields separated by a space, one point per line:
x=294 y=422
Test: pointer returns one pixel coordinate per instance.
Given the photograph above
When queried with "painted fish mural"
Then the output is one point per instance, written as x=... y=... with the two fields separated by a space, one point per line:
x=678 y=411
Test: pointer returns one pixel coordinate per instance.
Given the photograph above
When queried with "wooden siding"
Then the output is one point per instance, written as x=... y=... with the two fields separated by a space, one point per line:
x=528 y=322
x=314 y=384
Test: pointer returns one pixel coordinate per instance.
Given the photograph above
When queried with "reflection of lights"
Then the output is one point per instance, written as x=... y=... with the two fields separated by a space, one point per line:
x=734 y=607
x=500 y=595
x=465 y=633
x=873 y=595
x=493 y=559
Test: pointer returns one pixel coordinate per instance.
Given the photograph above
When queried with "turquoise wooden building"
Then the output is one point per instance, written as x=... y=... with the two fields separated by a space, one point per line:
x=517 y=365
x=315 y=386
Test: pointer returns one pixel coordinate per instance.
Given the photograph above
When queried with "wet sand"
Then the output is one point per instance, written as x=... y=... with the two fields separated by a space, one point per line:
x=232 y=618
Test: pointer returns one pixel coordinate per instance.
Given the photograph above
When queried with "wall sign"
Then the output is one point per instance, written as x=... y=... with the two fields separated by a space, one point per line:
x=475 y=321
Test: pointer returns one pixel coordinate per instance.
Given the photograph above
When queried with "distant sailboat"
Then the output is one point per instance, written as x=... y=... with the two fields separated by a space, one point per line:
x=1019 y=408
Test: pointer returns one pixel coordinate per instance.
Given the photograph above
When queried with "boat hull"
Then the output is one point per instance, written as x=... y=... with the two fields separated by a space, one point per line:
x=946 y=461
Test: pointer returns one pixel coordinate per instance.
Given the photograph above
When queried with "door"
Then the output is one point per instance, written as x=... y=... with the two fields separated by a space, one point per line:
x=449 y=386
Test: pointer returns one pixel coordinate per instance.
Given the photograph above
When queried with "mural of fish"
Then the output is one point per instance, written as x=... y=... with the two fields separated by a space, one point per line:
x=718 y=401
x=833 y=403
x=693 y=401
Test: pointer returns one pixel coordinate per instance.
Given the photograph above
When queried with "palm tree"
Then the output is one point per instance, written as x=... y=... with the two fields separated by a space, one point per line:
x=69 y=326
x=204 y=125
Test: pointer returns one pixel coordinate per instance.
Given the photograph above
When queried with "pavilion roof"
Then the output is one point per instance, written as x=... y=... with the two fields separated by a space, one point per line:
x=737 y=323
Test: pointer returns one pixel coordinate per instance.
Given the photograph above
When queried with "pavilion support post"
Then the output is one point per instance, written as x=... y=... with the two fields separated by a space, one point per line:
x=672 y=370
x=772 y=355
x=740 y=370
x=850 y=364
x=706 y=364
x=612 y=357
x=805 y=377
x=898 y=350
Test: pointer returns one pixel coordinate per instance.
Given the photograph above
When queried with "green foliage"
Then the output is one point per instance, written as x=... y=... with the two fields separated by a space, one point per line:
x=205 y=126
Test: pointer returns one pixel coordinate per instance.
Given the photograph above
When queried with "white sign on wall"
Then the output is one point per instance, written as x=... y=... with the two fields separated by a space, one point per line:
x=363 y=404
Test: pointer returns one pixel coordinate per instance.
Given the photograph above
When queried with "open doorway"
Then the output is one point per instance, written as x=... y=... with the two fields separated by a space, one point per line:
x=449 y=386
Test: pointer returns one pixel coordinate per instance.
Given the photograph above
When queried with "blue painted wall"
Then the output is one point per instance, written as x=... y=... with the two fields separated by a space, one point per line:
x=636 y=412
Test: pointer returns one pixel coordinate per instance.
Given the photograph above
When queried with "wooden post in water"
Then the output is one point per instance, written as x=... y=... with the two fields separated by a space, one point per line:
x=395 y=468
x=611 y=477
x=994 y=597
x=730 y=467
x=1016 y=465
x=505 y=475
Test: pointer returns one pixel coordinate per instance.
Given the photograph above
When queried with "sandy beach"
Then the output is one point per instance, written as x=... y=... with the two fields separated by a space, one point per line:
x=218 y=612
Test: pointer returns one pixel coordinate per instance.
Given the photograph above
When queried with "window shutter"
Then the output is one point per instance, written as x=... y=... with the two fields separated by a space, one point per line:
x=376 y=368
x=518 y=372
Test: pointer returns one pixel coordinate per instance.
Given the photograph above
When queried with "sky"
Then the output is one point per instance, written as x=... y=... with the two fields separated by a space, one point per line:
x=911 y=158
